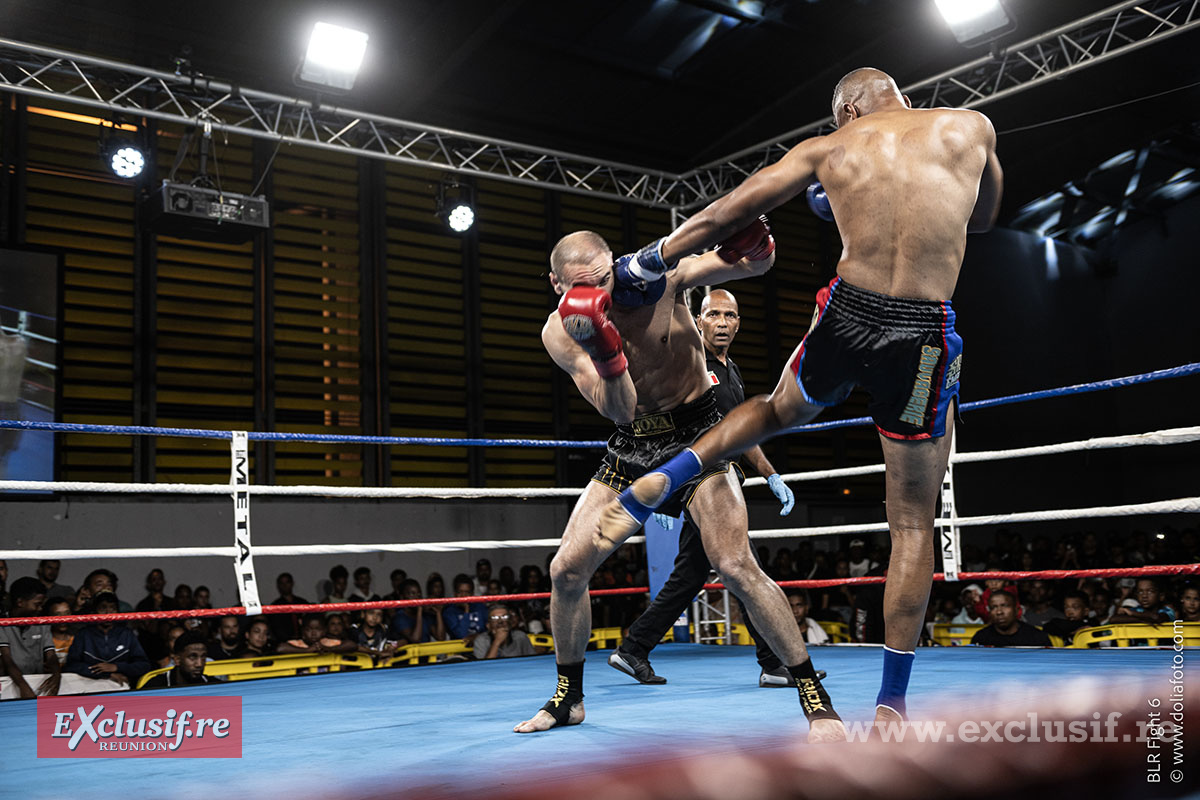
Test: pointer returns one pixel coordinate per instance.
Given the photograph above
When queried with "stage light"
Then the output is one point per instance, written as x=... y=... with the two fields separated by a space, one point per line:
x=461 y=218
x=456 y=206
x=127 y=161
x=333 y=58
x=976 y=21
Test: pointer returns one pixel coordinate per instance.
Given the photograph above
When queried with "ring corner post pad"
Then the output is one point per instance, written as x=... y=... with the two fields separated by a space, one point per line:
x=243 y=560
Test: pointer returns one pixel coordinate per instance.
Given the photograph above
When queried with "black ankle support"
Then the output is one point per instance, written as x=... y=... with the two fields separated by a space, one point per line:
x=570 y=692
x=813 y=697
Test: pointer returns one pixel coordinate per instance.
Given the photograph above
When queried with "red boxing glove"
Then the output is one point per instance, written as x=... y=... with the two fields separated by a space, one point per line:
x=584 y=313
x=753 y=242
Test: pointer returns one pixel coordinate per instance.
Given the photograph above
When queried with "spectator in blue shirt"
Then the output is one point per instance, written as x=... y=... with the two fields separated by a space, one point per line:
x=416 y=624
x=465 y=620
x=1150 y=606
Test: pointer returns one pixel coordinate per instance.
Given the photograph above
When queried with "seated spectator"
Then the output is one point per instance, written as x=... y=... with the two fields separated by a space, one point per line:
x=339 y=576
x=362 y=586
x=202 y=598
x=1189 y=604
x=107 y=649
x=483 y=574
x=397 y=579
x=257 y=639
x=173 y=632
x=416 y=624
x=1040 y=611
x=155 y=599
x=970 y=597
x=536 y=612
x=47 y=573
x=857 y=561
x=1005 y=629
x=62 y=634
x=494 y=589
x=839 y=600
x=809 y=629
x=435 y=586
x=189 y=650
x=1100 y=607
x=781 y=569
x=507 y=579
x=502 y=639
x=183 y=597
x=313 y=639
x=152 y=636
x=286 y=626
x=336 y=627
x=1149 y=607
x=1074 y=617
x=97 y=581
x=464 y=620
x=228 y=641
x=372 y=635
x=983 y=607
x=29 y=649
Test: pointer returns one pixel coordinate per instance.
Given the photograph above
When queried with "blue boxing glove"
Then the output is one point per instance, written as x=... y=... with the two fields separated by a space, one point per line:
x=631 y=291
x=818 y=201
x=781 y=490
x=648 y=263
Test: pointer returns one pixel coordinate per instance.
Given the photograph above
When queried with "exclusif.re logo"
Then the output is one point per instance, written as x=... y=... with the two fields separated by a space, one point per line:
x=139 y=727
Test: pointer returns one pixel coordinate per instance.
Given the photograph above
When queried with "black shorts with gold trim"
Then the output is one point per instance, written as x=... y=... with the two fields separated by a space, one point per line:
x=651 y=439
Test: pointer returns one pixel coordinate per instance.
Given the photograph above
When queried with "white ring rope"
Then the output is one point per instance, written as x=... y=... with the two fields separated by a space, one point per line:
x=1168 y=436
x=1186 y=504
x=1163 y=437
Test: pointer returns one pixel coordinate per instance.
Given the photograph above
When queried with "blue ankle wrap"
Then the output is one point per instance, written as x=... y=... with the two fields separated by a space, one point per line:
x=679 y=470
x=897 y=666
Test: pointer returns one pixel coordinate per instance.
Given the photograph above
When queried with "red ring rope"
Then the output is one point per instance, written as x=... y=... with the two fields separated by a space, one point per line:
x=317 y=608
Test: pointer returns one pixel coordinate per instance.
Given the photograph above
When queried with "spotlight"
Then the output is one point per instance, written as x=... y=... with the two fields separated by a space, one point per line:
x=127 y=161
x=122 y=156
x=456 y=206
x=976 y=21
x=333 y=58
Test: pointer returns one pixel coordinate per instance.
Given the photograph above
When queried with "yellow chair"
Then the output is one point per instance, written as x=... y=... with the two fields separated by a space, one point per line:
x=949 y=634
x=245 y=669
x=838 y=632
x=1122 y=635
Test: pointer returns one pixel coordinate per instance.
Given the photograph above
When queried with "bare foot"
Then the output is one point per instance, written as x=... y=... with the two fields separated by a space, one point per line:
x=615 y=521
x=826 y=730
x=542 y=721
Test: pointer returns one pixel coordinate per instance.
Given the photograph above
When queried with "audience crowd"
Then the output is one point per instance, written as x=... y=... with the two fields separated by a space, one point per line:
x=1025 y=612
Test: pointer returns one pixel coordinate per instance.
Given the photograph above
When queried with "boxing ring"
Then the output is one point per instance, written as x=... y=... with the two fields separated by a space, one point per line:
x=443 y=730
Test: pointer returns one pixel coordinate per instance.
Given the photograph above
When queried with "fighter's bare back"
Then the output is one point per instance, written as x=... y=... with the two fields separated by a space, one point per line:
x=903 y=185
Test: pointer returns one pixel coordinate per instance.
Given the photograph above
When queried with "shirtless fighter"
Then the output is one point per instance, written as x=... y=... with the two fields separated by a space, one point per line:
x=631 y=347
x=905 y=186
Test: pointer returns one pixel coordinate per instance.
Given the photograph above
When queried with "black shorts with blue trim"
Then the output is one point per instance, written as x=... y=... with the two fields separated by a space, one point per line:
x=651 y=439
x=904 y=352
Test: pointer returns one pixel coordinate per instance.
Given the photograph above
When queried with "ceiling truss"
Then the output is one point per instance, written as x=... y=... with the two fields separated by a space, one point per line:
x=115 y=88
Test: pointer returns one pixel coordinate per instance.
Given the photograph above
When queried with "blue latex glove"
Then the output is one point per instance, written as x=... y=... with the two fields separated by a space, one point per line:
x=782 y=491
x=667 y=523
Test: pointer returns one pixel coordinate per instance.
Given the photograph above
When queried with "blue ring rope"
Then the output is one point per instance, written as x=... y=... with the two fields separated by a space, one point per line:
x=329 y=438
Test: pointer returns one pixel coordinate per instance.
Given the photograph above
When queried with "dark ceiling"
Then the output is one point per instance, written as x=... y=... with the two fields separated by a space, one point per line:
x=657 y=83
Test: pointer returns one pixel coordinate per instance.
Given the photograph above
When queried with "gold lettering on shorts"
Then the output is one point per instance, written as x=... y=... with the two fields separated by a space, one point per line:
x=653 y=424
x=914 y=411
